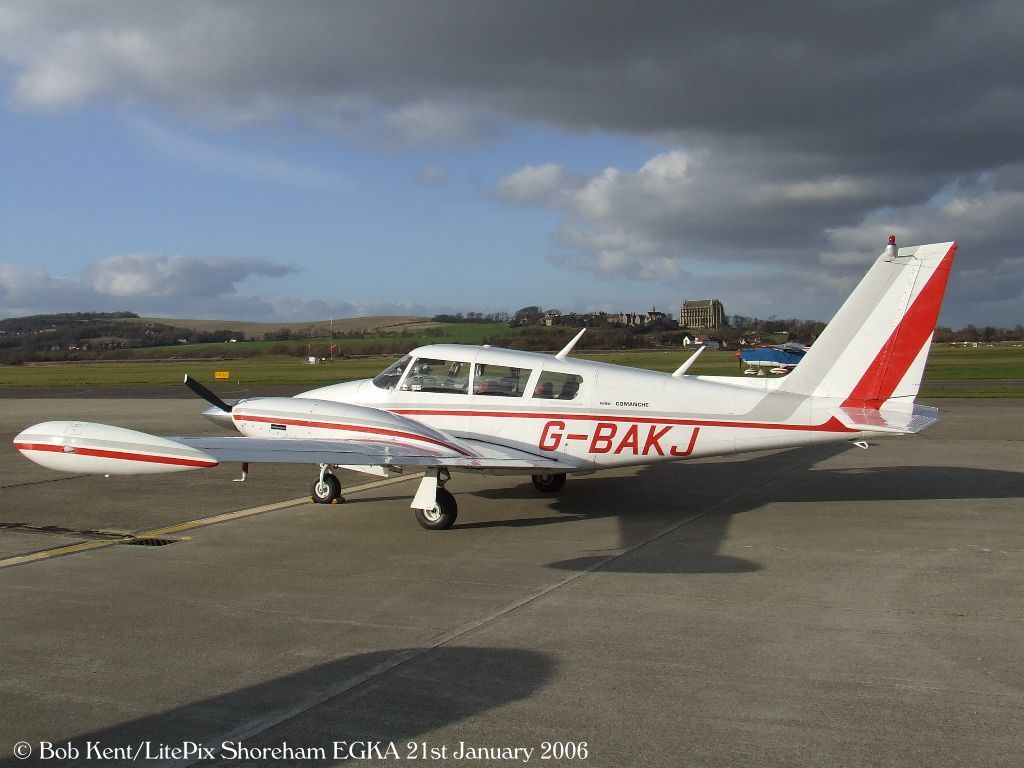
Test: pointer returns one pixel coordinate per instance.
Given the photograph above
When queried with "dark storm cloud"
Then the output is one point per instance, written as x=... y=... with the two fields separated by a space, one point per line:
x=904 y=81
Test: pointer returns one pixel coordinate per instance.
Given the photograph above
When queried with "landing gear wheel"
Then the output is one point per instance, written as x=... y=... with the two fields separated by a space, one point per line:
x=440 y=516
x=325 y=490
x=548 y=483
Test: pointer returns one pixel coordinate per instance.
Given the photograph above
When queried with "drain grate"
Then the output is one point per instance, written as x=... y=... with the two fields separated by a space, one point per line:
x=149 y=542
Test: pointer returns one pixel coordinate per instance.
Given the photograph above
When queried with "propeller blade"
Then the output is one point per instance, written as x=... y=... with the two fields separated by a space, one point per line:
x=206 y=394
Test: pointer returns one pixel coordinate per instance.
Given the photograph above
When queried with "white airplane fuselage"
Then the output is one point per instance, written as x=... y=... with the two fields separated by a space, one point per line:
x=619 y=416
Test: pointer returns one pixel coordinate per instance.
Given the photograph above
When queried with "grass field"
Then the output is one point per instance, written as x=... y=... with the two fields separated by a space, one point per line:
x=983 y=370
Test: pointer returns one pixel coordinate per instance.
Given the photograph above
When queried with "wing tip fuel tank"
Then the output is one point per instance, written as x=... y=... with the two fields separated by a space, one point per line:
x=83 y=447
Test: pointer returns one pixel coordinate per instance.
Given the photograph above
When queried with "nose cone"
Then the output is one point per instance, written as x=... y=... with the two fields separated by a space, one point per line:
x=48 y=436
x=220 y=417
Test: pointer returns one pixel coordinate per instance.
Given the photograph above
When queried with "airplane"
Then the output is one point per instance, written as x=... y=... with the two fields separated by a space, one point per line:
x=450 y=407
x=779 y=358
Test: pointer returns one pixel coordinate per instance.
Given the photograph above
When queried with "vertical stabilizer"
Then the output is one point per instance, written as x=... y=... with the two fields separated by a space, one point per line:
x=876 y=346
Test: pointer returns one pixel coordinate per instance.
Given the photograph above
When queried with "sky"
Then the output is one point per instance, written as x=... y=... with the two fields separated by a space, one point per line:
x=296 y=161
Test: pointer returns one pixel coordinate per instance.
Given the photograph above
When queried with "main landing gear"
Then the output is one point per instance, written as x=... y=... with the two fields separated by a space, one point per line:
x=441 y=515
x=434 y=506
x=548 y=483
x=326 y=488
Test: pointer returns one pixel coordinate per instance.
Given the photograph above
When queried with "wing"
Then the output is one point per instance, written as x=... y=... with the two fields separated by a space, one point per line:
x=307 y=430
x=486 y=453
x=83 y=447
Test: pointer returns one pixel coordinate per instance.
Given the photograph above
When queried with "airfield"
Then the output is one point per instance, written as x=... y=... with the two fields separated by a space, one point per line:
x=824 y=606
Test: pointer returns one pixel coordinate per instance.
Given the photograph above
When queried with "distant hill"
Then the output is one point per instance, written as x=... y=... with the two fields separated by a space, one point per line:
x=115 y=335
x=256 y=331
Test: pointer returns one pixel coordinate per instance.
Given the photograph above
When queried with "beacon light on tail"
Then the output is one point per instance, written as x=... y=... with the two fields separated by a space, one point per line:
x=81 y=447
x=453 y=407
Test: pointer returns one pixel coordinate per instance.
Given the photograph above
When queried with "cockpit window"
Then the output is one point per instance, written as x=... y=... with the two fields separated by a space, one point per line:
x=557 y=386
x=451 y=376
x=499 y=380
x=390 y=376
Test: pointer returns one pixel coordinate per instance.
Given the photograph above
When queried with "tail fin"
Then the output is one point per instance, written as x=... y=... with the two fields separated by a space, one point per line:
x=876 y=346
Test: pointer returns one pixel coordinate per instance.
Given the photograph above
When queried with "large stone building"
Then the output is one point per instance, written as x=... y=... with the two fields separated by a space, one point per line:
x=706 y=313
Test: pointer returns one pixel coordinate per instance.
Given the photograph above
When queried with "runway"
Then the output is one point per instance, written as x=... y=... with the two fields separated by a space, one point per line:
x=804 y=607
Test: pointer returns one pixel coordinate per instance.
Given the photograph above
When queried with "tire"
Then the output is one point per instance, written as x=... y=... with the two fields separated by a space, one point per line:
x=548 y=483
x=442 y=515
x=326 y=491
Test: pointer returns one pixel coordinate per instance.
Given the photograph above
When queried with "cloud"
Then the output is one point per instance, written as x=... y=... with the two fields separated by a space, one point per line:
x=830 y=79
x=149 y=275
x=170 y=285
x=140 y=282
x=682 y=213
x=533 y=185
x=695 y=205
x=430 y=122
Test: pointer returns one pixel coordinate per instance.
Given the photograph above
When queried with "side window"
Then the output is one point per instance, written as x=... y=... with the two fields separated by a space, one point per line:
x=557 y=386
x=451 y=376
x=499 y=380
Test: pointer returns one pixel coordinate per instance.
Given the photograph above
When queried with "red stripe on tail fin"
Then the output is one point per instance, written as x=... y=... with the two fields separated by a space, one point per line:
x=898 y=353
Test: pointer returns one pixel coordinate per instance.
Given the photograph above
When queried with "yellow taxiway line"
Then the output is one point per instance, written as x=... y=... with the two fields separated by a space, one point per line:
x=189 y=525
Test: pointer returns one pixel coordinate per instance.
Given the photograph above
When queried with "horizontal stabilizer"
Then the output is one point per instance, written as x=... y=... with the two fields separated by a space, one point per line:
x=899 y=421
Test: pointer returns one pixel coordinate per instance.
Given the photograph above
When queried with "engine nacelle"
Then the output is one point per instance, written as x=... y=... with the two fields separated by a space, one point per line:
x=305 y=418
x=82 y=447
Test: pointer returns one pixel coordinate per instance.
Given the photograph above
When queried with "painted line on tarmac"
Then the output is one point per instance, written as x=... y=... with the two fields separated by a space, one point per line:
x=203 y=522
x=72 y=549
x=46 y=554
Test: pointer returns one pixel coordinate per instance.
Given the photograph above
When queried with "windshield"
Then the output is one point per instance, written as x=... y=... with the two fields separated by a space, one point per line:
x=388 y=378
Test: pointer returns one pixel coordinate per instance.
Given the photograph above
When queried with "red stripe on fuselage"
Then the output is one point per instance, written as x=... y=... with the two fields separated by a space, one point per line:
x=832 y=425
x=120 y=455
x=351 y=428
x=904 y=344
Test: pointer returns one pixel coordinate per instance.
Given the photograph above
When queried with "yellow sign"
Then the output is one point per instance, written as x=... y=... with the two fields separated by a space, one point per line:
x=222 y=374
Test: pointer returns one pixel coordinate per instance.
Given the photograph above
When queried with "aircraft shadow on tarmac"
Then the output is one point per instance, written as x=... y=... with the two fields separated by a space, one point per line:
x=426 y=690
x=661 y=495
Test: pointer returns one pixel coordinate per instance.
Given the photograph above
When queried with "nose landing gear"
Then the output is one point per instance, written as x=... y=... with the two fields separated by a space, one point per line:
x=326 y=489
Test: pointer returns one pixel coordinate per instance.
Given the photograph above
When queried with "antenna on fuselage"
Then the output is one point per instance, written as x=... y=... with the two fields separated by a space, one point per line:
x=686 y=366
x=568 y=347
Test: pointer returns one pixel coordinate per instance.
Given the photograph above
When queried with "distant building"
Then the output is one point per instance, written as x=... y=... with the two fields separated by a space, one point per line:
x=635 y=320
x=706 y=313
